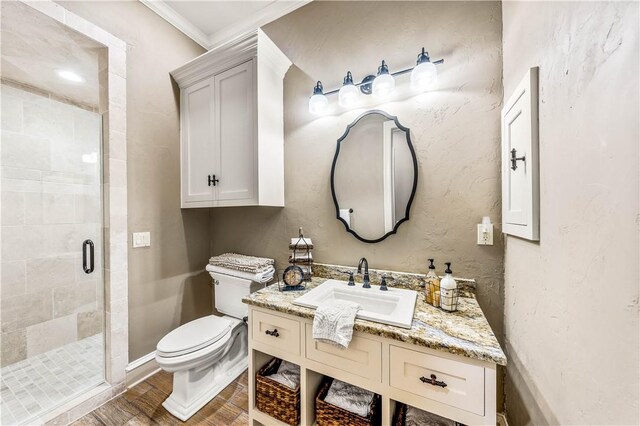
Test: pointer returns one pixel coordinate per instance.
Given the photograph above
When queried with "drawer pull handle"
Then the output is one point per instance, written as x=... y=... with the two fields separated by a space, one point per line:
x=273 y=333
x=433 y=381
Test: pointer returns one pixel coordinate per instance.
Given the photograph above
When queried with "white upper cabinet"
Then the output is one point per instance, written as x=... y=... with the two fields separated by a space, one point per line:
x=231 y=118
x=520 y=191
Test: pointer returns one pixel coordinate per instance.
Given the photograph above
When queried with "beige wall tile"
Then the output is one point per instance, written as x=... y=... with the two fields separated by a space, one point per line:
x=21 y=185
x=20 y=173
x=11 y=112
x=90 y=323
x=25 y=151
x=22 y=242
x=12 y=208
x=43 y=274
x=74 y=298
x=13 y=278
x=58 y=208
x=13 y=347
x=49 y=120
x=51 y=334
x=25 y=310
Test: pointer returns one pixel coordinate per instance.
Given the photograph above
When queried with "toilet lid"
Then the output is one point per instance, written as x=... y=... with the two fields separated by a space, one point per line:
x=193 y=335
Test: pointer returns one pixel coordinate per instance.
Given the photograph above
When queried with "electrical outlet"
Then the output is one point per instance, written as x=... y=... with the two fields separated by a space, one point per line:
x=141 y=239
x=485 y=234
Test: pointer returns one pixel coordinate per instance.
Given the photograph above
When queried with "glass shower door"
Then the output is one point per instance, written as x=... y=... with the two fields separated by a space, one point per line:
x=51 y=286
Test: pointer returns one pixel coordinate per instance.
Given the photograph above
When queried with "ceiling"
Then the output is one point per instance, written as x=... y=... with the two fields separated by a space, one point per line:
x=214 y=22
x=35 y=48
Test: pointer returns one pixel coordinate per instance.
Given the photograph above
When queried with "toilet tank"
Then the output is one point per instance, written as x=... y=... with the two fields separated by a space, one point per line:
x=228 y=292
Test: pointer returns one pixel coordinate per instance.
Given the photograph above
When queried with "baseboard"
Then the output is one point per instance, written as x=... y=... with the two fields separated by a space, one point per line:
x=141 y=368
x=501 y=419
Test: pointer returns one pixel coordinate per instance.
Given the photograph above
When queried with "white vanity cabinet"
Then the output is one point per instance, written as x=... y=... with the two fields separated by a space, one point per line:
x=231 y=125
x=395 y=370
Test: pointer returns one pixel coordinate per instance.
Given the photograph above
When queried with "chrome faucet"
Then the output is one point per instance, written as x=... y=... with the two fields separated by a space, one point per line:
x=365 y=277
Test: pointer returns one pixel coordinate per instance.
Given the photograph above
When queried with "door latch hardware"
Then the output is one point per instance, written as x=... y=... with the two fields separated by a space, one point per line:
x=514 y=159
x=211 y=179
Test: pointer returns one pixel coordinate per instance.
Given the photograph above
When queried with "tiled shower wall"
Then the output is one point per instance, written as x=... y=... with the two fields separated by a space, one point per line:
x=51 y=203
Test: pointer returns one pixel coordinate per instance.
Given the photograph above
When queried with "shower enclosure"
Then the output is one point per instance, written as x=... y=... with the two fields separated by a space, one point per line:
x=52 y=306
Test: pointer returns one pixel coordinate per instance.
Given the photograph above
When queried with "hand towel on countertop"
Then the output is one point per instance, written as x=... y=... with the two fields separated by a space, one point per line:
x=288 y=374
x=260 y=277
x=333 y=322
x=241 y=262
x=349 y=397
x=417 y=417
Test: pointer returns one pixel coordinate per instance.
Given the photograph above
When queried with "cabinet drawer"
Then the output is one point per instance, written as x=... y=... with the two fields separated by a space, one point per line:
x=276 y=331
x=464 y=383
x=363 y=357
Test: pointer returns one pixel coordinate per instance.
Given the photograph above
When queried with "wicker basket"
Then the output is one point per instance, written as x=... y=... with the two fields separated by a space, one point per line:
x=276 y=399
x=400 y=415
x=330 y=415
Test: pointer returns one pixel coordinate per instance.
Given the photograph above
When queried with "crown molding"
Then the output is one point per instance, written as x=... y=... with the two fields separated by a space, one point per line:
x=256 y=20
x=243 y=48
x=177 y=20
x=247 y=25
x=216 y=60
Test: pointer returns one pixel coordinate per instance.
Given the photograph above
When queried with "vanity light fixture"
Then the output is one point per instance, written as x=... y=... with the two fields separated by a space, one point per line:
x=318 y=102
x=381 y=85
x=384 y=82
x=425 y=74
x=349 y=93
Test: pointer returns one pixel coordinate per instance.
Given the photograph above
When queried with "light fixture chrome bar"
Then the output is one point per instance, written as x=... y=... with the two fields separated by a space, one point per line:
x=394 y=74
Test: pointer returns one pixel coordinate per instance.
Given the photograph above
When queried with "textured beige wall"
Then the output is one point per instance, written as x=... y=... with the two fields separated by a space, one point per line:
x=167 y=286
x=571 y=301
x=455 y=132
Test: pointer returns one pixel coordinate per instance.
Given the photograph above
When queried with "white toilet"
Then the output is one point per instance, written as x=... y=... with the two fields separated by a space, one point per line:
x=207 y=354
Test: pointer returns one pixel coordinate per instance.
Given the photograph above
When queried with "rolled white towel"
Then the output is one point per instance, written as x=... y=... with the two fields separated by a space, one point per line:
x=333 y=322
x=260 y=277
x=349 y=397
x=288 y=374
x=417 y=417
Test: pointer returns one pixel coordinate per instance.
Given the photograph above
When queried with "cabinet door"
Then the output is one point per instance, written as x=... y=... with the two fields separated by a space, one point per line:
x=236 y=161
x=520 y=199
x=197 y=144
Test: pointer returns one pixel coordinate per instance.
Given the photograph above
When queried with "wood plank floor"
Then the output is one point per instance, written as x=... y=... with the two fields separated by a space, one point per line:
x=142 y=405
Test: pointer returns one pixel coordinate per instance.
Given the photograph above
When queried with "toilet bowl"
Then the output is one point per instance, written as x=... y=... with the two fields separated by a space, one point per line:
x=207 y=354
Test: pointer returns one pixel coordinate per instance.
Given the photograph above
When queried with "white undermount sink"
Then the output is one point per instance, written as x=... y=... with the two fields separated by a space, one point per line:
x=393 y=307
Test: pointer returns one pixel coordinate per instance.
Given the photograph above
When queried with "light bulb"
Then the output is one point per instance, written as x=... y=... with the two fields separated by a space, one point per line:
x=348 y=95
x=383 y=86
x=424 y=76
x=318 y=103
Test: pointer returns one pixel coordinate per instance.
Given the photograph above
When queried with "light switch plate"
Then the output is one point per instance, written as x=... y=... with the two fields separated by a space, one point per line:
x=141 y=239
x=485 y=235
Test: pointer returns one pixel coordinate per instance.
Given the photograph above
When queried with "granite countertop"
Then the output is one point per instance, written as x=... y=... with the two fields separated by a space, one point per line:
x=465 y=332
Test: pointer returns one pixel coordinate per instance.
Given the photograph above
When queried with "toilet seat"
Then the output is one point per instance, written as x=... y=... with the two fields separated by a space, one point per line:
x=193 y=336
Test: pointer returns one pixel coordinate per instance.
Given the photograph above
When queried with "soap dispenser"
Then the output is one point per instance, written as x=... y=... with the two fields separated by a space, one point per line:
x=432 y=285
x=448 y=291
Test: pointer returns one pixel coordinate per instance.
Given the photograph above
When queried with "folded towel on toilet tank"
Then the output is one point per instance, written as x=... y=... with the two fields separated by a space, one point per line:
x=241 y=262
x=260 y=277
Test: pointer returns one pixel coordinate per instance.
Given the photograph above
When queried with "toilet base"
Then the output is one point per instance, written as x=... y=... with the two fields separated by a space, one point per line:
x=193 y=389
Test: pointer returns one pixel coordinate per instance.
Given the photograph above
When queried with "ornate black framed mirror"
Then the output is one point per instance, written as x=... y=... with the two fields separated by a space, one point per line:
x=374 y=176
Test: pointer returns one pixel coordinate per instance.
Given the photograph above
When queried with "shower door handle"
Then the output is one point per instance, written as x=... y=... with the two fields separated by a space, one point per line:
x=88 y=268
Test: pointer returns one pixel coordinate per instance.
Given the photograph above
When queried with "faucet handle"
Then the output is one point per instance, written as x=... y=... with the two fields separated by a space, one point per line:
x=351 y=282
x=365 y=281
x=383 y=283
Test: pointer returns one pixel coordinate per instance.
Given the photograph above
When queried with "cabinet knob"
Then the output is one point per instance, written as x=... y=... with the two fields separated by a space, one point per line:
x=211 y=179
